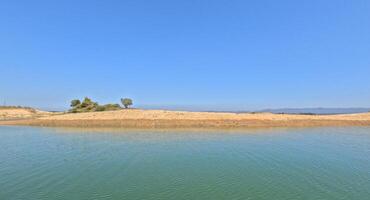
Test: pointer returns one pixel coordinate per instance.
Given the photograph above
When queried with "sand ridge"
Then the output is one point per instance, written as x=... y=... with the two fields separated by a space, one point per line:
x=185 y=115
x=21 y=113
x=137 y=118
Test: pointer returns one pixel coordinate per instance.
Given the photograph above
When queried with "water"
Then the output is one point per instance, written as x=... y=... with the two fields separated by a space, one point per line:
x=313 y=163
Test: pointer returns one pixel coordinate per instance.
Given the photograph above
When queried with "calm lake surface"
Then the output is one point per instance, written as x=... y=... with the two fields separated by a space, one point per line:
x=273 y=164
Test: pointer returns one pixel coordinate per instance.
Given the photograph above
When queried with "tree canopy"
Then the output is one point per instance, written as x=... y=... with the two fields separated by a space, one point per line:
x=126 y=102
x=75 y=102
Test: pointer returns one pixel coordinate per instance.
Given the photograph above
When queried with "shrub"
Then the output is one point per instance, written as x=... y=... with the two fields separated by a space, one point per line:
x=100 y=108
x=112 y=107
x=108 y=107
x=88 y=105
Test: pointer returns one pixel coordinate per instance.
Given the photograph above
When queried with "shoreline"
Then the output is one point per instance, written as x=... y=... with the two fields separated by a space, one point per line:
x=155 y=119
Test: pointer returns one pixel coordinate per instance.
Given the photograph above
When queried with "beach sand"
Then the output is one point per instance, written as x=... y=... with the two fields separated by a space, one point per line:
x=136 y=118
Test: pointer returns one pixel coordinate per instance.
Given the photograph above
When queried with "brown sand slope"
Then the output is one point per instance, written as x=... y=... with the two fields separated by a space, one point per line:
x=13 y=113
x=133 y=118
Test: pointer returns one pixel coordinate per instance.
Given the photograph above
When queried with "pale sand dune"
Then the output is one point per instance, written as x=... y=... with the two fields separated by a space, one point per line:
x=179 y=115
x=21 y=113
x=134 y=118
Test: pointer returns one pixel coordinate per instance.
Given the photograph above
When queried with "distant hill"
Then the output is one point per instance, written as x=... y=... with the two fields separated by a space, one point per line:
x=318 y=111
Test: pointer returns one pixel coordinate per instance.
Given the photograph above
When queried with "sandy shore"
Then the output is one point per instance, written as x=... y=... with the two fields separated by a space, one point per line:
x=133 y=118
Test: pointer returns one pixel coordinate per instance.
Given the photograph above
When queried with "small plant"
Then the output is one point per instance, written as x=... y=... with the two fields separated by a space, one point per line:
x=126 y=102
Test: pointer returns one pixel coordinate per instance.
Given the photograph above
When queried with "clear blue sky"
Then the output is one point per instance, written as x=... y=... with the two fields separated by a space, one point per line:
x=220 y=55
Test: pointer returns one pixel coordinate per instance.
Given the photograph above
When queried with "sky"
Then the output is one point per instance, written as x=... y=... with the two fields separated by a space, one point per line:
x=186 y=54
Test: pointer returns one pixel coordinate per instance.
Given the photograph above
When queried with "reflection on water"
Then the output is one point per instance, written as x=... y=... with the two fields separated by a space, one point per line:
x=312 y=163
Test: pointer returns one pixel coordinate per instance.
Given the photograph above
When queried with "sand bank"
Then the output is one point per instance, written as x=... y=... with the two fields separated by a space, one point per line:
x=14 y=113
x=134 y=118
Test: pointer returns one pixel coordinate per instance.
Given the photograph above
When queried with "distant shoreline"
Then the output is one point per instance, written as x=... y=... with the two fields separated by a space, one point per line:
x=135 y=118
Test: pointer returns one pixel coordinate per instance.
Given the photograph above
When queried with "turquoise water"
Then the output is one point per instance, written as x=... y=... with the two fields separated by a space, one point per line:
x=312 y=163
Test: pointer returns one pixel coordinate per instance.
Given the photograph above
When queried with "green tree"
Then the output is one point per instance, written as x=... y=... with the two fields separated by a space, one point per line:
x=126 y=102
x=75 y=102
x=87 y=102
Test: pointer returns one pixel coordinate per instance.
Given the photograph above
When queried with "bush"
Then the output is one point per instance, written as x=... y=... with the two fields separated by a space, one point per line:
x=88 y=105
x=100 y=108
x=108 y=107
x=112 y=107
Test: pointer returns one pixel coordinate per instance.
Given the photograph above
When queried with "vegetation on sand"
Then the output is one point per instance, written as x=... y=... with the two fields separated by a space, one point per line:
x=87 y=105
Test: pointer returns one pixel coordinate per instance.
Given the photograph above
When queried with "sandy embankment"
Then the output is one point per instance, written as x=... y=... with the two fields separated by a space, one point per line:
x=21 y=113
x=133 y=118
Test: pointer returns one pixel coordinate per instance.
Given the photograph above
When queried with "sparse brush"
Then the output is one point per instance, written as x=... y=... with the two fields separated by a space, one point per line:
x=87 y=105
